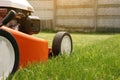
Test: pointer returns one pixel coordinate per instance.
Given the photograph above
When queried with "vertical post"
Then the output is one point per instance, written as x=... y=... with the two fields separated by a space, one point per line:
x=54 y=13
x=95 y=14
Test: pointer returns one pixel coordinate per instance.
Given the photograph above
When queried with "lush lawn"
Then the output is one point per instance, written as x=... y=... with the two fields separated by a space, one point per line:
x=95 y=57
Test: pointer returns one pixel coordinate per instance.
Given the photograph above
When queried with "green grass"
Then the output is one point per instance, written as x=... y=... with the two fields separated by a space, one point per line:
x=94 y=57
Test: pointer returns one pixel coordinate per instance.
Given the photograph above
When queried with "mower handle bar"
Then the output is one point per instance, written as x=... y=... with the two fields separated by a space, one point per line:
x=11 y=14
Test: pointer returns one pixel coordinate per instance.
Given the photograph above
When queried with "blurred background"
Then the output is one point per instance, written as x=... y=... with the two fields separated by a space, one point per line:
x=78 y=15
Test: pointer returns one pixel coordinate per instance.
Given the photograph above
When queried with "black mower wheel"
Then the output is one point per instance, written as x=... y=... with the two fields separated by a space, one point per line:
x=9 y=54
x=62 y=44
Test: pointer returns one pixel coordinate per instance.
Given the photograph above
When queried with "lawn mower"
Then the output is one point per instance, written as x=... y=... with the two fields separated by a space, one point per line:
x=17 y=46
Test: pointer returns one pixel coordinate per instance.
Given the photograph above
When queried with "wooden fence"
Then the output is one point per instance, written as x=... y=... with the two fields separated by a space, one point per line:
x=108 y=15
x=79 y=15
x=75 y=15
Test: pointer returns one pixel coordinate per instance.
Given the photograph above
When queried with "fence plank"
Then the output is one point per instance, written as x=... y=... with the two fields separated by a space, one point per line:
x=44 y=9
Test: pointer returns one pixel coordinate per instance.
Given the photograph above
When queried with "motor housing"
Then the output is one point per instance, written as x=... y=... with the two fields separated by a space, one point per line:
x=32 y=25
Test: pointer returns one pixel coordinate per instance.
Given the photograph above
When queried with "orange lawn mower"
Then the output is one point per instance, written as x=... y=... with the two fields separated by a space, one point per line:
x=18 y=47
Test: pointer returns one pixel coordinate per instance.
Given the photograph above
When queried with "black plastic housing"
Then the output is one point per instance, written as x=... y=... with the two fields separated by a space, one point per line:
x=32 y=25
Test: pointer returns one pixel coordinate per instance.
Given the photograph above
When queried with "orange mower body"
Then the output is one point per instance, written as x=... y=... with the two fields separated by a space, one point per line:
x=31 y=49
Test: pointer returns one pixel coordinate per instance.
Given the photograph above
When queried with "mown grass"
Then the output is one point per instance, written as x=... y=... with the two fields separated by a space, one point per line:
x=95 y=57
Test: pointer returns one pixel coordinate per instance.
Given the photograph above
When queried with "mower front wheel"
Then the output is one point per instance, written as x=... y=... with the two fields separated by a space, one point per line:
x=62 y=44
x=9 y=54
